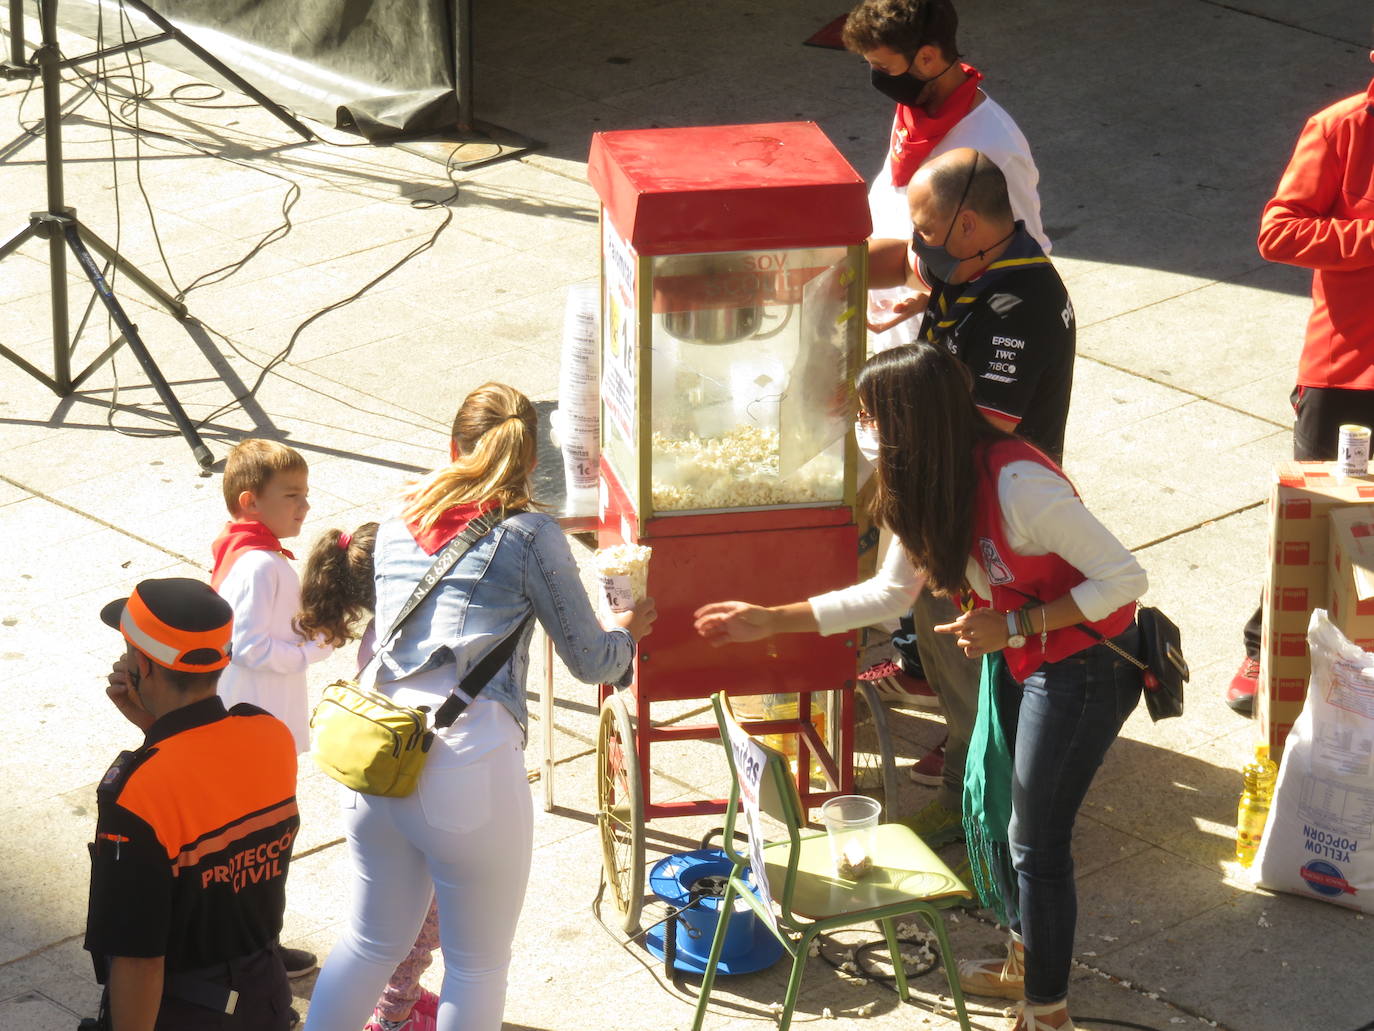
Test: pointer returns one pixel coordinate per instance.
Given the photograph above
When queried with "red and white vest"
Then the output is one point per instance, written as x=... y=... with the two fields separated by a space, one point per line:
x=1042 y=578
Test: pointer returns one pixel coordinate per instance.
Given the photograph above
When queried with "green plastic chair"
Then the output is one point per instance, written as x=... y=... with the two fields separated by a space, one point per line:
x=907 y=878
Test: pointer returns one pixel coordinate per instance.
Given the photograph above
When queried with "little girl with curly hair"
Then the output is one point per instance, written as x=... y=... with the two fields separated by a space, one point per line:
x=338 y=596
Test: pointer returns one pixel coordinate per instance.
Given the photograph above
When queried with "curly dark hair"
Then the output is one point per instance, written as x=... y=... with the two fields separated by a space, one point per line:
x=903 y=26
x=337 y=589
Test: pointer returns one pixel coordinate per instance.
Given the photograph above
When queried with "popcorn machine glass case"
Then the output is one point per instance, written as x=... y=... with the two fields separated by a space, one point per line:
x=748 y=353
x=732 y=291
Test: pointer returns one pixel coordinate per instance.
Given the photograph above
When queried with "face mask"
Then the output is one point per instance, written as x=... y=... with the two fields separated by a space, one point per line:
x=867 y=439
x=904 y=89
x=938 y=263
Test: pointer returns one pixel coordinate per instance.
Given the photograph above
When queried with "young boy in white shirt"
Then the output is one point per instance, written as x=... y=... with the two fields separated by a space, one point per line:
x=265 y=489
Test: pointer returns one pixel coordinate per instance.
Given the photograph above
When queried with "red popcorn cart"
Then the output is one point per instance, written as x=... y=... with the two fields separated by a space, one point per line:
x=733 y=292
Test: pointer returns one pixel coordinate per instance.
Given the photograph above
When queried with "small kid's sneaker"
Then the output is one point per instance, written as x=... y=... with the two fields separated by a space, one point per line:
x=428 y=1002
x=417 y=1021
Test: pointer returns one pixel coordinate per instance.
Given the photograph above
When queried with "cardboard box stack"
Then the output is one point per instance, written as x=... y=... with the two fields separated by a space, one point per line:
x=1304 y=495
x=1350 y=574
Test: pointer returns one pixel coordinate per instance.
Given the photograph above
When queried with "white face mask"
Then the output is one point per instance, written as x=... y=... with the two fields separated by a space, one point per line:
x=867 y=439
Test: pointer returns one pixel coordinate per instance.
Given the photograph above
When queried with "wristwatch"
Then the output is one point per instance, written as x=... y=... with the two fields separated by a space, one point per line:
x=1015 y=639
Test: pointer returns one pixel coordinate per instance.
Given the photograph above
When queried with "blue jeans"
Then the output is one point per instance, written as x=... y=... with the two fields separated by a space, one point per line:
x=1059 y=724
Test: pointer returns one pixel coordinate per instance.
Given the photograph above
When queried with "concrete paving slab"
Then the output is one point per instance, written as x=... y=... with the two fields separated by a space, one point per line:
x=35 y=1010
x=1167 y=890
x=45 y=897
x=1236 y=962
x=1187 y=347
x=57 y=972
x=1206 y=352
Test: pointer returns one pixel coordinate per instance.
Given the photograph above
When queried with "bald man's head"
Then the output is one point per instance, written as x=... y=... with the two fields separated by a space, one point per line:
x=947 y=178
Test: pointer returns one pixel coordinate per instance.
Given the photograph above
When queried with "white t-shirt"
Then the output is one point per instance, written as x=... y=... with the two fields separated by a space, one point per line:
x=1041 y=516
x=268 y=656
x=988 y=129
x=484 y=725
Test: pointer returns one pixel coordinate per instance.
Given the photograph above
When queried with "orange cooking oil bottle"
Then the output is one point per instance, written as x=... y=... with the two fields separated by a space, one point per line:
x=1255 y=800
x=788 y=707
x=783 y=707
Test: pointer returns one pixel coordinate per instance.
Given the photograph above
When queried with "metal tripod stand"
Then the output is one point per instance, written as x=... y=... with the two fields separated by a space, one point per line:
x=63 y=231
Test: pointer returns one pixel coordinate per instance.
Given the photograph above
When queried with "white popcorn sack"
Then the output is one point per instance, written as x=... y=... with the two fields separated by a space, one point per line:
x=1319 y=842
x=624 y=572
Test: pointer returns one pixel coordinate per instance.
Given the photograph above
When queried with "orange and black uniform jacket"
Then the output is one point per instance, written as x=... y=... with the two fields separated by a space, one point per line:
x=193 y=839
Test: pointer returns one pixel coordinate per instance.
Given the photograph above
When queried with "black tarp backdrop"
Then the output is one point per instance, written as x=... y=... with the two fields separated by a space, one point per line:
x=382 y=68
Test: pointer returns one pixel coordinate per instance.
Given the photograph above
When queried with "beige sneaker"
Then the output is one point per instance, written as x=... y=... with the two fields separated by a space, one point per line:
x=1001 y=978
x=1028 y=1017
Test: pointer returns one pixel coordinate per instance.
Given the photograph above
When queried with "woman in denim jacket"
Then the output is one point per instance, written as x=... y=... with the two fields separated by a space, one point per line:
x=468 y=828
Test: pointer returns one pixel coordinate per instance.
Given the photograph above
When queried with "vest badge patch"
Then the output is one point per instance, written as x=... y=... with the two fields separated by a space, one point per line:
x=998 y=572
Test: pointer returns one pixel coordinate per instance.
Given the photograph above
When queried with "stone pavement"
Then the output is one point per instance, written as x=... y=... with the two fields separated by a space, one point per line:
x=1159 y=130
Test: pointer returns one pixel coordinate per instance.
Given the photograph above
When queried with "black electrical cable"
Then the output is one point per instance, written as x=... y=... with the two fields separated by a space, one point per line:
x=142 y=91
x=414 y=252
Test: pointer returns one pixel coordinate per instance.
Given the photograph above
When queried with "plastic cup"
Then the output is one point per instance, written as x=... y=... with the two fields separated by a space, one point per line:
x=851 y=824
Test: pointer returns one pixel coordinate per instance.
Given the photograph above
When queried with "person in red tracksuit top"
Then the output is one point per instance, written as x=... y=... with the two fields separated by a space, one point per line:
x=1322 y=217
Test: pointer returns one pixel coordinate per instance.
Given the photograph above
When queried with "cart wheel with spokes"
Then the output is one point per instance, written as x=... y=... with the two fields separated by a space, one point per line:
x=875 y=768
x=620 y=811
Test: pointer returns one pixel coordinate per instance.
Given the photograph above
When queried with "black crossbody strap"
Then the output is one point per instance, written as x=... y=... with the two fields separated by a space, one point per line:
x=479 y=676
x=1091 y=632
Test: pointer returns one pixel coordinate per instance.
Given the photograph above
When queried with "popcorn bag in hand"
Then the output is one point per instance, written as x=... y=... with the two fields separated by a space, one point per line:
x=1319 y=842
x=624 y=572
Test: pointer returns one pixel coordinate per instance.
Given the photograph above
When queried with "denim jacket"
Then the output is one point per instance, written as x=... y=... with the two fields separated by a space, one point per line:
x=523 y=565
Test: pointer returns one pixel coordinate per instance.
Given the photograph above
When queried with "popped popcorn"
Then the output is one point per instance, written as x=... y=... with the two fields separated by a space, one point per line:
x=624 y=572
x=736 y=470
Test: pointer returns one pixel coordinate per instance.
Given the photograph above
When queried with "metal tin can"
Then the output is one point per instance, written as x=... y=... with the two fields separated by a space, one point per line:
x=1352 y=453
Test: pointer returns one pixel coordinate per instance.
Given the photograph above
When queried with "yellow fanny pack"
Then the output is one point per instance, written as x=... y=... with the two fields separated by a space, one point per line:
x=365 y=740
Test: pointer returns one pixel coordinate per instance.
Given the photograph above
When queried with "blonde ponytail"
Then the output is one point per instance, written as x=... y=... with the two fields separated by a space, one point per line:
x=495 y=435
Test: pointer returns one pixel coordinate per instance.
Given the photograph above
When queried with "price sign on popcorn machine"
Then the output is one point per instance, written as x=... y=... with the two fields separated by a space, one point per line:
x=750 y=762
x=620 y=339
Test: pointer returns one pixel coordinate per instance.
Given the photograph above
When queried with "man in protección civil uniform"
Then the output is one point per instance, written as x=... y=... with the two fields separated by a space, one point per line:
x=194 y=830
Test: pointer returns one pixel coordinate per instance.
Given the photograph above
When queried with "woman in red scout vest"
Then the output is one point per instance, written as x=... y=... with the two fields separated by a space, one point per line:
x=990 y=519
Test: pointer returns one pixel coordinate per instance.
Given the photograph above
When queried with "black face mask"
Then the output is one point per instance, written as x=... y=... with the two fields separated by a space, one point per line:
x=904 y=89
x=937 y=263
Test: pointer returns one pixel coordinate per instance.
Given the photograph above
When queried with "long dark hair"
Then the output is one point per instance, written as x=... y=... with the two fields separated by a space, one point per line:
x=927 y=427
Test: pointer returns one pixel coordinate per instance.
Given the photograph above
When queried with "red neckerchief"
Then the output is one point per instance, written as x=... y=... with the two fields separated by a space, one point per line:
x=239 y=538
x=917 y=133
x=448 y=526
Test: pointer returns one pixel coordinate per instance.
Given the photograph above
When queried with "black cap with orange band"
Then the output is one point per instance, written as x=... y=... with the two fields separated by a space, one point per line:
x=178 y=623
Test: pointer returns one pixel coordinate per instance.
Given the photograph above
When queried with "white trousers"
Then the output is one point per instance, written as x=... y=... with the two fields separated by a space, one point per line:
x=468 y=831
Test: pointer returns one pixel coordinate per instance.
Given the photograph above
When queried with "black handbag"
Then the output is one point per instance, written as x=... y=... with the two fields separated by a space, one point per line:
x=1161 y=660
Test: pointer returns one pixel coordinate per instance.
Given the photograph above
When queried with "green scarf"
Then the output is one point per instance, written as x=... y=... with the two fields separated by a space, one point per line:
x=987 y=801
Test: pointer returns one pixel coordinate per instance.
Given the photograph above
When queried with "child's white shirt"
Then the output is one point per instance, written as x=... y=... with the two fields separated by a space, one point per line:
x=268 y=660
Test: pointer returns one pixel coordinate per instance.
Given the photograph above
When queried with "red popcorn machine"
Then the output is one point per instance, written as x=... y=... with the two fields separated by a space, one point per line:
x=733 y=273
